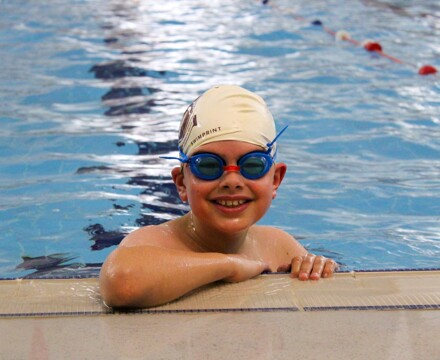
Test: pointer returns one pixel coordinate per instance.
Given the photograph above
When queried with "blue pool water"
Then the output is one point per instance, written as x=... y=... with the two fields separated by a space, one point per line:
x=91 y=94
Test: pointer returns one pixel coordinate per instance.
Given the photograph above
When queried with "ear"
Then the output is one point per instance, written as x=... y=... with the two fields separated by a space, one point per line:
x=177 y=174
x=280 y=171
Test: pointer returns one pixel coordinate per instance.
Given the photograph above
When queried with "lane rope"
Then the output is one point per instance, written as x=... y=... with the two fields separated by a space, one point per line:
x=342 y=35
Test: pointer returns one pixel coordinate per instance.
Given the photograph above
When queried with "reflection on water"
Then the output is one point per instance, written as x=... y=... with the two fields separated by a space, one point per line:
x=56 y=265
x=44 y=262
x=91 y=98
x=126 y=97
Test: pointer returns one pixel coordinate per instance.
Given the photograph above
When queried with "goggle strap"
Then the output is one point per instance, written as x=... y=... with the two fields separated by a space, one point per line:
x=269 y=145
x=171 y=158
x=183 y=158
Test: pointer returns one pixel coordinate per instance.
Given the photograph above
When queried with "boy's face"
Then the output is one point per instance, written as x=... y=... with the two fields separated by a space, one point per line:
x=230 y=203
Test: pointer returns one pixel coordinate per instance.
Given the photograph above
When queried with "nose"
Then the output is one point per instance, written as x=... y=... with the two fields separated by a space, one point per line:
x=231 y=178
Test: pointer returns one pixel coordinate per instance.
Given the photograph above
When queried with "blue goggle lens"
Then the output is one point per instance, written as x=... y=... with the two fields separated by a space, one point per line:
x=207 y=167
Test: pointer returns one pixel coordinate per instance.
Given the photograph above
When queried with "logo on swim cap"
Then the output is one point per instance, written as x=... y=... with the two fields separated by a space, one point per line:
x=189 y=120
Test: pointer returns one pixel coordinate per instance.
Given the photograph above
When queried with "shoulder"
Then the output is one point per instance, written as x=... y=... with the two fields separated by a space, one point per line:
x=153 y=235
x=271 y=232
x=277 y=238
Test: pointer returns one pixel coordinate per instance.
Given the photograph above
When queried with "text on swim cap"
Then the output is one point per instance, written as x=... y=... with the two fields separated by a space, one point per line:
x=203 y=134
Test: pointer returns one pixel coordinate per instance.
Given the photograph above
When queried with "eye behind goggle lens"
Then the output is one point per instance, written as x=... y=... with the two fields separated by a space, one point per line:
x=206 y=167
x=255 y=166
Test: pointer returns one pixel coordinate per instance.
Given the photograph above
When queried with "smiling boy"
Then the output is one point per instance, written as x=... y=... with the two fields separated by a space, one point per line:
x=228 y=175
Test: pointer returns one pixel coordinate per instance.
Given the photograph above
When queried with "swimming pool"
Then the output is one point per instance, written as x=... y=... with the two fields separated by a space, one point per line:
x=90 y=97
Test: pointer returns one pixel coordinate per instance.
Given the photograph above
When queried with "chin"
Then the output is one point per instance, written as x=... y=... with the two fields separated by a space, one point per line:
x=234 y=226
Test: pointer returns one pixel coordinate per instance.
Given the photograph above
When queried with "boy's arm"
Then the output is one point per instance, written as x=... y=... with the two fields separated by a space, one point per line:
x=144 y=276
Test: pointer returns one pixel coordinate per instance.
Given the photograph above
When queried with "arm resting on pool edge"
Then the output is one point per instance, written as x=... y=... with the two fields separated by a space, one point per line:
x=145 y=276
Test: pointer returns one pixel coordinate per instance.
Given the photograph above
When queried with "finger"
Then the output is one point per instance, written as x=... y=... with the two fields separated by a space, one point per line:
x=296 y=266
x=329 y=268
x=306 y=267
x=318 y=267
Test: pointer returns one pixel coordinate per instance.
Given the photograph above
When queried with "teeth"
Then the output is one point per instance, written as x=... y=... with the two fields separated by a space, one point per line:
x=231 y=203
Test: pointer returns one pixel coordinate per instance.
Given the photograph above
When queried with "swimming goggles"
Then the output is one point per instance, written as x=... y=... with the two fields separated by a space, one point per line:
x=208 y=166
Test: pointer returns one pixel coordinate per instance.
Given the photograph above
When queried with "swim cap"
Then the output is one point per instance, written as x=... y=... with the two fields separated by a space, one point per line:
x=226 y=112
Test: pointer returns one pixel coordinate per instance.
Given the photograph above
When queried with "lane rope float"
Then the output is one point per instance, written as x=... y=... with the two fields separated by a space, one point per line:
x=368 y=45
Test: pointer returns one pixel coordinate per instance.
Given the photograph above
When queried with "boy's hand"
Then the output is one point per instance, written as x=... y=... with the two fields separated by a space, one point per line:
x=312 y=267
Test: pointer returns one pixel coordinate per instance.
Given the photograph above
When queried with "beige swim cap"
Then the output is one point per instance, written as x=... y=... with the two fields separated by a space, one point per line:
x=226 y=112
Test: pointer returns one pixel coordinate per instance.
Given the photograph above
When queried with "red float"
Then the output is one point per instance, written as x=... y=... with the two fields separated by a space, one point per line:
x=372 y=46
x=427 y=70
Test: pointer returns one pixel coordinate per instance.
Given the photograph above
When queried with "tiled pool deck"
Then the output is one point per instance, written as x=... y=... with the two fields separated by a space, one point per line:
x=387 y=315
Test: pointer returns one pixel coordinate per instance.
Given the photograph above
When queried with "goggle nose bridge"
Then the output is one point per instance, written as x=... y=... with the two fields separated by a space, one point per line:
x=231 y=168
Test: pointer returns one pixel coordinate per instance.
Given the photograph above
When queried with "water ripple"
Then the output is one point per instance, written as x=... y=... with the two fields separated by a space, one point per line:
x=90 y=98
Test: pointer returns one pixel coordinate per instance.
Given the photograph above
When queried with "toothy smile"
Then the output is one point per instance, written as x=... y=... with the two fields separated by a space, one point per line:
x=230 y=203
